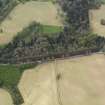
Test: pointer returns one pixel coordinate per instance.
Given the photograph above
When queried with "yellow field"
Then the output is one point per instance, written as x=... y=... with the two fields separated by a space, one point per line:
x=24 y=14
x=81 y=82
x=5 y=98
x=95 y=20
x=38 y=86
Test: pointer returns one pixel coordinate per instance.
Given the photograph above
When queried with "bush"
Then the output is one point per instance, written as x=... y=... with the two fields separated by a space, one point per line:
x=1 y=83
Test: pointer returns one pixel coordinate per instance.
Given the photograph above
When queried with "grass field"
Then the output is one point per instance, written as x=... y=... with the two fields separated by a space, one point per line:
x=81 y=81
x=10 y=74
x=95 y=20
x=23 y=14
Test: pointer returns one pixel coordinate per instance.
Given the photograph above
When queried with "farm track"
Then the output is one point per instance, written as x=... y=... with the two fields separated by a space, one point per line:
x=59 y=95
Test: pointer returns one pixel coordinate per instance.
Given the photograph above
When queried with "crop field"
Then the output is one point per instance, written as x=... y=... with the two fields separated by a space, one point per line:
x=38 y=86
x=75 y=81
x=95 y=20
x=23 y=14
x=5 y=98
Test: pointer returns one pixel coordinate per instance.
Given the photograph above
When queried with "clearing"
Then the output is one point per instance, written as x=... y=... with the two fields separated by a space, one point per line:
x=96 y=15
x=23 y=14
x=75 y=81
x=5 y=98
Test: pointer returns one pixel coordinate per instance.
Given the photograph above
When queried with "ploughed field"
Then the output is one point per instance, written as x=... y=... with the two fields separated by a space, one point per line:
x=22 y=15
x=75 y=81
x=96 y=15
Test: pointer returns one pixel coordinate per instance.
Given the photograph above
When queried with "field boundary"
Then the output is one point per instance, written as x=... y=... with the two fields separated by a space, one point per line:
x=50 y=57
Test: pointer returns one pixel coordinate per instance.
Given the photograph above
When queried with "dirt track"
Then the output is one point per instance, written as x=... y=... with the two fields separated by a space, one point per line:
x=5 y=98
x=82 y=82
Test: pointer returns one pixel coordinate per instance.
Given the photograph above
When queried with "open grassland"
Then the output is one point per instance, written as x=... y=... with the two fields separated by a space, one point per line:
x=75 y=81
x=23 y=14
x=95 y=20
x=5 y=98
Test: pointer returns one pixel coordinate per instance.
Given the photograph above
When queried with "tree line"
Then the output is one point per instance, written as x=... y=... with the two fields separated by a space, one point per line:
x=75 y=35
x=31 y=42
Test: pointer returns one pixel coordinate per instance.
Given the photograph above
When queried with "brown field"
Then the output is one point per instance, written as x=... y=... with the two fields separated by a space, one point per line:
x=81 y=81
x=95 y=20
x=5 y=98
x=23 y=14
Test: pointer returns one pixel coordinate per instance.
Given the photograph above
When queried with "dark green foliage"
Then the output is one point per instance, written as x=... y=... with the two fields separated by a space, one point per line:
x=1 y=83
x=76 y=13
x=31 y=42
x=38 y=40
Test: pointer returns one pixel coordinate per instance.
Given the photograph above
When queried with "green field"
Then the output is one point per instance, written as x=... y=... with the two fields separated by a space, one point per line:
x=9 y=78
x=10 y=74
x=51 y=29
